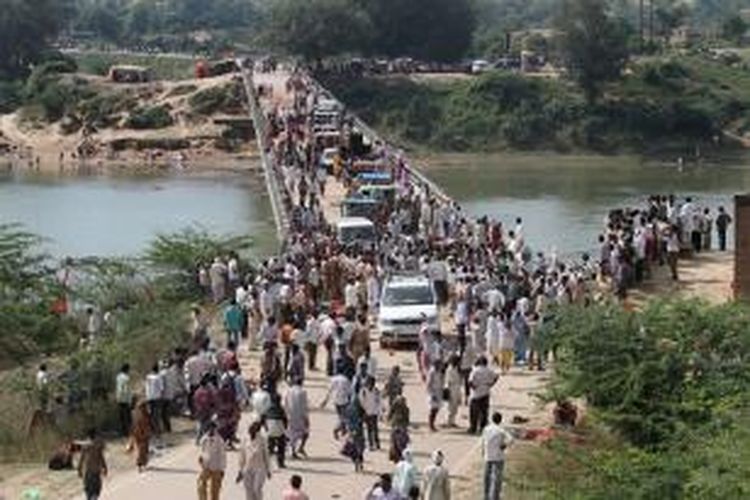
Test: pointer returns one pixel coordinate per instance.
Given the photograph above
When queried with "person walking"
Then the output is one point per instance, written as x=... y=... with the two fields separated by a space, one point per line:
x=276 y=422
x=124 y=398
x=141 y=435
x=92 y=466
x=341 y=390
x=254 y=463
x=435 y=388
x=294 y=491
x=723 y=220
x=154 y=388
x=369 y=398
x=454 y=385
x=298 y=413
x=405 y=477
x=495 y=439
x=233 y=321
x=213 y=462
x=436 y=479
x=481 y=380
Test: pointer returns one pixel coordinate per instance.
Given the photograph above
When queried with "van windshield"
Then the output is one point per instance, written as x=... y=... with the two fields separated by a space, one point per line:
x=408 y=296
x=361 y=233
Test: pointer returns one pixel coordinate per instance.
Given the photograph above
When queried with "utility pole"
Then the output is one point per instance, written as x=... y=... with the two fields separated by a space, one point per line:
x=640 y=23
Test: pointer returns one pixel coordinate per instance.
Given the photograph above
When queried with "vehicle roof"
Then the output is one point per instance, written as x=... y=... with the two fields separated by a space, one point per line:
x=407 y=280
x=379 y=187
x=354 y=222
x=361 y=200
x=374 y=175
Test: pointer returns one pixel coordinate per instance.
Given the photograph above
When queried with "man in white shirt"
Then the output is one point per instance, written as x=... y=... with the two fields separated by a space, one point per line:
x=124 y=398
x=154 y=389
x=481 y=380
x=42 y=386
x=369 y=398
x=495 y=439
x=341 y=390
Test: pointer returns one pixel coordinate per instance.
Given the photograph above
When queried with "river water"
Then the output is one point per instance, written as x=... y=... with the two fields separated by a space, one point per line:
x=118 y=215
x=562 y=199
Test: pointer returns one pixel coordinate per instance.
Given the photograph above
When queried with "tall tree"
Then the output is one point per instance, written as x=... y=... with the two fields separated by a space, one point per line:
x=594 y=44
x=26 y=26
x=734 y=28
x=315 y=29
x=435 y=30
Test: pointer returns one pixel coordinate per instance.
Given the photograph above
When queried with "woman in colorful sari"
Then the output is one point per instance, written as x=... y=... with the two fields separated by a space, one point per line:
x=141 y=434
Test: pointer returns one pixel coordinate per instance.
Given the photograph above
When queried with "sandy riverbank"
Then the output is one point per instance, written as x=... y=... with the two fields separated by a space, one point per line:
x=194 y=138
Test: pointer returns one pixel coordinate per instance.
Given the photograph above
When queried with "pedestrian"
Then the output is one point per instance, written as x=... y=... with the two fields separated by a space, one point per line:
x=707 y=228
x=436 y=479
x=124 y=399
x=298 y=413
x=294 y=491
x=495 y=439
x=217 y=274
x=383 y=490
x=276 y=423
x=213 y=462
x=340 y=389
x=154 y=389
x=354 y=447
x=435 y=391
x=369 y=397
x=204 y=407
x=92 y=466
x=507 y=345
x=233 y=321
x=723 y=220
x=399 y=419
x=42 y=387
x=673 y=250
x=295 y=368
x=406 y=474
x=481 y=380
x=394 y=386
x=167 y=396
x=254 y=462
x=454 y=387
x=312 y=337
x=141 y=434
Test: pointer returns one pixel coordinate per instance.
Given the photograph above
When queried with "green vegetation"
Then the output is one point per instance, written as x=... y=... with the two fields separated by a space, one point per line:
x=148 y=300
x=163 y=67
x=662 y=102
x=226 y=99
x=666 y=392
x=152 y=117
x=436 y=30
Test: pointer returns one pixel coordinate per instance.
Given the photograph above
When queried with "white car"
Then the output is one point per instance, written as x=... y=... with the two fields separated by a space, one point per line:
x=326 y=159
x=406 y=302
x=358 y=231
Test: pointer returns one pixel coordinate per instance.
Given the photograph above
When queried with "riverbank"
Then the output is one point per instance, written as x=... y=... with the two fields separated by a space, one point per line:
x=99 y=123
x=684 y=104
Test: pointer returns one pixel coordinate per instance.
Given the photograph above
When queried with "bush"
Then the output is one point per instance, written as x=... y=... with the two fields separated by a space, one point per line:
x=10 y=96
x=225 y=99
x=154 y=117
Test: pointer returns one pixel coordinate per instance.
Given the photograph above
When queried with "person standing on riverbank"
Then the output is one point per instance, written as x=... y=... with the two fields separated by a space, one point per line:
x=723 y=220
x=481 y=380
x=124 y=399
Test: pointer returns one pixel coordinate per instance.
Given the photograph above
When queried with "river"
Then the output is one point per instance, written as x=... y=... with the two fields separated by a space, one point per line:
x=562 y=199
x=118 y=215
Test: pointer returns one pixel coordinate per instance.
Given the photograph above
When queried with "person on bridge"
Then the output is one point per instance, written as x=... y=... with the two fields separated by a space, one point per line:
x=213 y=462
x=495 y=440
x=436 y=479
x=254 y=462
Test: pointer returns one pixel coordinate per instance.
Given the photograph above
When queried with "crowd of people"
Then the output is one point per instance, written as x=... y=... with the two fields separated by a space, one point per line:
x=636 y=239
x=318 y=298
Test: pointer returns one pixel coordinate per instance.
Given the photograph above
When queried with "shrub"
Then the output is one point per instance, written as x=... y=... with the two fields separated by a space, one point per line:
x=225 y=99
x=153 y=117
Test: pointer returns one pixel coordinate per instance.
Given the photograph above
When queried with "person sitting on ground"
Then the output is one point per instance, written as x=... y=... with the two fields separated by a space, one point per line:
x=565 y=414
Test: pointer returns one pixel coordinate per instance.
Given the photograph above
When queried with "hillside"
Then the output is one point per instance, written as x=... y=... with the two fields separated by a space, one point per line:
x=677 y=102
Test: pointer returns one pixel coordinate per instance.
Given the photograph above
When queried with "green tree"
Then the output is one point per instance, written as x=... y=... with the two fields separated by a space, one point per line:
x=26 y=27
x=102 y=17
x=315 y=29
x=594 y=44
x=734 y=28
x=433 y=30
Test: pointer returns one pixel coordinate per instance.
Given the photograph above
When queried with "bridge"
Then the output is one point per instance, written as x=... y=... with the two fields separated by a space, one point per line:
x=280 y=96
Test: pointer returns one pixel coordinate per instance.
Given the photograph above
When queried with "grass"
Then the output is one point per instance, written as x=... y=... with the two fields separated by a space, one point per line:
x=163 y=67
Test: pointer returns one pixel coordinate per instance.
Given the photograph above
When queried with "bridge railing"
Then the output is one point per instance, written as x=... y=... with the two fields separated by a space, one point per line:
x=268 y=162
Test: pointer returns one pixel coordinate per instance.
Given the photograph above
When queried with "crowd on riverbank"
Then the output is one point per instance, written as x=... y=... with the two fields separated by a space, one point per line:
x=318 y=298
